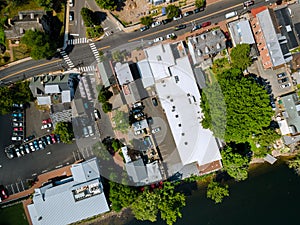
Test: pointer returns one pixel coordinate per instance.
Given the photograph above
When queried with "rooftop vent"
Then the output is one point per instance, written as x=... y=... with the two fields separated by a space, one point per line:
x=21 y=30
x=20 y=16
x=32 y=16
x=179 y=125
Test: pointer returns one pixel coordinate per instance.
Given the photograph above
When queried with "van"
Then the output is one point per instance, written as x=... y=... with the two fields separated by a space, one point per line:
x=231 y=14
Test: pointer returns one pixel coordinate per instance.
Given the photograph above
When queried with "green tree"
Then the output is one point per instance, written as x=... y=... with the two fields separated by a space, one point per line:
x=65 y=131
x=172 y=11
x=216 y=192
x=116 y=144
x=40 y=44
x=295 y=164
x=200 y=3
x=47 y=4
x=147 y=20
x=94 y=32
x=235 y=164
x=165 y=201
x=145 y=206
x=107 y=4
x=104 y=94
x=106 y=107
x=87 y=16
x=121 y=195
x=240 y=56
x=121 y=121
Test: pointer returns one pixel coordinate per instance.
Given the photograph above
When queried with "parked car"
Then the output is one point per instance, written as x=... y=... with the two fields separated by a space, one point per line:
x=46 y=121
x=29 y=138
x=3 y=193
x=71 y=3
x=166 y=21
x=31 y=146
x=199 y=10
x=196 y=27
x=177 y=18
x=283 y=80
x=41 y=144
x=48 y=138
x=90 y=130
x=18 y=128
x=44 y=139
x=139 y=115
x=158 y=39
x=17 y=119
x=57 y=138
x=144 y=28
x=138 y=132
x=53 y=138
x=85 y=132
x=10 y=153
x=17 y=151
x=281 y=75
x=179 y=27
x=248 y=3
x=17 y=115
x=188 y=13
x=17 y=106
x=155 y=130
x=22 y=150
x=16 y=138
x=169 y=36
x=17 y=124
x=71 y=16
x=46 y=126
x=27 y=148
x=285 y=85
x=97 y=114
x=156 y=24
x=205 y=24
x=154 y=102
x=137 y=105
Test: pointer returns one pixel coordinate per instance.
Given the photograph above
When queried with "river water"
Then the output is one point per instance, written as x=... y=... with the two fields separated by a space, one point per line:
x=270 y=196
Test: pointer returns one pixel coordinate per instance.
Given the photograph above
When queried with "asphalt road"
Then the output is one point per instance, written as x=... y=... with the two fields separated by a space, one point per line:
x=82 y=55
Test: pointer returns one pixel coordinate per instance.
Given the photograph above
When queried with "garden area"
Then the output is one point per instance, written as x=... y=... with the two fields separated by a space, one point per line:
x=13 y=215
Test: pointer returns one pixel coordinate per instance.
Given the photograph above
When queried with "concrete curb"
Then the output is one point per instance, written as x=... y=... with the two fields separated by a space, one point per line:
x=15 y=63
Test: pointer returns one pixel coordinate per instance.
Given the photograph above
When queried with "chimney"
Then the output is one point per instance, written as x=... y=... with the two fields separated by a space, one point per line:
x=21 y=30
x=37 y=19
x=20 y=16
x=32 y=16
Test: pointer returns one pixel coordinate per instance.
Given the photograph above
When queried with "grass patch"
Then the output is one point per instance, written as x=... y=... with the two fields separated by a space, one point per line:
x=295 y=50
x=13 y=215
x=13 y=10
x=20 y=52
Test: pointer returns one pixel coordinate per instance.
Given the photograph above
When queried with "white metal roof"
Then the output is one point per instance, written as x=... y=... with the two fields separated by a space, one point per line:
x=180 y=98
x=123 y=73
x=284 y=127
x=52 y=89
x=146 y=73
x=65 y=96
x=44 y=100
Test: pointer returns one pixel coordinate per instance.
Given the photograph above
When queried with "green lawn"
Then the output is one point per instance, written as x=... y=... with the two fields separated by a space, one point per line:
x=13 y=215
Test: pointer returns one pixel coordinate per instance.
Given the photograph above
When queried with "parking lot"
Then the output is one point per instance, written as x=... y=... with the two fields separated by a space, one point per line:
x=15 y=172
x=271 y=76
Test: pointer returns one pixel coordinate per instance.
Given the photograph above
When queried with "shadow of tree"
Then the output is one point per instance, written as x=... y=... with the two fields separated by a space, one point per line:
x=99 y=17
x=120 y=5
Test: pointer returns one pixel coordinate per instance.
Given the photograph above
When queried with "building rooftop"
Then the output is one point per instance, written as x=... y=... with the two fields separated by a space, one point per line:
x=205 y=44
x=44 y=100
x=292 y=112
x=146 y=73
x=106 y=73
x=134 y=91
x=71 y=199
x=241 y=32
x=124 y=73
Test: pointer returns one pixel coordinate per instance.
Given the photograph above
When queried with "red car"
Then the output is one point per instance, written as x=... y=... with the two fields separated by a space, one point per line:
x=18 y=129
x=205 y=24
x=53 y=138
x=3 y=193
x=46 y=121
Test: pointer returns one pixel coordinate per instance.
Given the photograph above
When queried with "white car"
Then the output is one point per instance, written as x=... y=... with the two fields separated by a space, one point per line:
x=158 y=39
x=96 y=114
x=156 y=24
x=71 y=3
x=285 y=85
x=155 y=130
x=16 y=138
x=177 y=18
x=90 y=130
x=138 y=132
x=138 y=104
x=170 y=35
x=45 y=126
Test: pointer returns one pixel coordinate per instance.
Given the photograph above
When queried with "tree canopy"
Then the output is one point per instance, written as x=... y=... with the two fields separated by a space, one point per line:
x=17 y=93
x=235 y=164
x=295 y=164
x=104 y=95
x=40 y=44
x=147 y=20
x=200 y=3
x=106 y=107
x=107 y=4
x=165 y=201
x=240 y=56
x=172 y=11
x=47 y=4
x=65 y=131
x=121 y=195
x=87 y=16
x=217 y=192
x=237 y=104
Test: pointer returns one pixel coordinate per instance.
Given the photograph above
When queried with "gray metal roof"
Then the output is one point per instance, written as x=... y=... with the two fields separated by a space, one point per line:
x=291 y=105
x=45 y=100
x=52 y=89
x=146 y=73
x=106 y=73
x=136 y=170
x=66 y=96
x=123 y=73
x=276 y=43
x=241 y=32
x=70 y=201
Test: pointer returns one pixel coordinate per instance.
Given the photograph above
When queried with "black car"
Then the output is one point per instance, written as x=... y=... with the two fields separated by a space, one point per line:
x=144 y=28
x=283 y=80
x=154 y=102
x=199 y=10
x=166 y=21
x=179 y=27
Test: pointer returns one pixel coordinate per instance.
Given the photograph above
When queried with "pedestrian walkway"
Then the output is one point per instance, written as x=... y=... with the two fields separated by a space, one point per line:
x=86 y=68
x=95 y=51
x=67 y=59
x=78 y=41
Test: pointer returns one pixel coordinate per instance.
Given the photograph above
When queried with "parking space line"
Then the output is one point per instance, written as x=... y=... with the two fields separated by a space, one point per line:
x=74 y=156
x=44 y=171
x=12 y=188
x=34 y=174
x=58 y=166
x=17 y=187
x=22 y=185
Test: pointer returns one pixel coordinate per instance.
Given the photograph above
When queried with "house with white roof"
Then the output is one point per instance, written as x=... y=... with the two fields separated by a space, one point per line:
x=71 y=199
